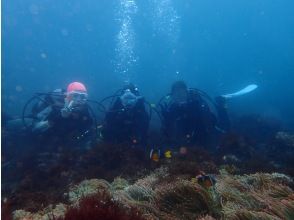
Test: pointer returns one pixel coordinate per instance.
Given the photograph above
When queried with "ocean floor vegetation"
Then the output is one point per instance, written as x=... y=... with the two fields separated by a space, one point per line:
x=88 y=185
x=161 y=195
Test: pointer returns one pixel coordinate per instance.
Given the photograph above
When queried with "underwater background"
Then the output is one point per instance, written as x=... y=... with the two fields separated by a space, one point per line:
x=216 y=46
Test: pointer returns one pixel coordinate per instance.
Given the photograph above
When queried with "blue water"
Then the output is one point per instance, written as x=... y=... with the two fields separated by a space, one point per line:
x=217 y=46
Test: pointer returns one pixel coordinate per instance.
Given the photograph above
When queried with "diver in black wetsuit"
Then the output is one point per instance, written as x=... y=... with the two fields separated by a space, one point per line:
x=63 y=115
x=187 y=118
x=127 y=119
x=59 y=123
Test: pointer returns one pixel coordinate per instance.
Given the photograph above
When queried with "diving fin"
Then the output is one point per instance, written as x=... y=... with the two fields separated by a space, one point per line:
x=244 y=91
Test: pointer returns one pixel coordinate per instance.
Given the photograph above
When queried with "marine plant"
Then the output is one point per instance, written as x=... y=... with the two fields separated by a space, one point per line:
x=182 y=199
x=48 y=213
x=86 y=188
x=6 y=210
x=100 y=206
x=161 y=195
x=285 y=137
x=119 y=183
x=256 y=196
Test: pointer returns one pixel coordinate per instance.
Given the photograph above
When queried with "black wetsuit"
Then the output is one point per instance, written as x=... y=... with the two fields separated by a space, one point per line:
x=126 y=124
x=65 y=129
x=189 y=123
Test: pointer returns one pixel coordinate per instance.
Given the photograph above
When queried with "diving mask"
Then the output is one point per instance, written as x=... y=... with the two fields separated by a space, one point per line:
x=128 y=99
x=77 y=96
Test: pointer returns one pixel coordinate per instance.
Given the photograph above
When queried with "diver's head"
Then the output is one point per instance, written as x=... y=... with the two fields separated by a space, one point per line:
x=132 y=88
x=76 y=94
x=179 y=91
x=128 y=99
x=130 y=96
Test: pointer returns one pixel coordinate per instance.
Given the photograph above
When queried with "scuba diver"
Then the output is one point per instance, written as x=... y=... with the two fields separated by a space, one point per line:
x=127 y=119
x=188 y=117
x=54 y=122
x=64 y=115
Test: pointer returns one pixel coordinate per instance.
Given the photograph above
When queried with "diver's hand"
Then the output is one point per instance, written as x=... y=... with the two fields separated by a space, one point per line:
x=41 y=126
x=65 y=112
x=67 y=109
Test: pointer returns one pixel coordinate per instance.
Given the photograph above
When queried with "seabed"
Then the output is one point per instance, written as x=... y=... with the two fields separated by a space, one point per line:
x=135 y=188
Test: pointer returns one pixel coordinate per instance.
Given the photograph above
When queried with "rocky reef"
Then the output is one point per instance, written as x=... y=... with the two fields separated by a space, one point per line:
x=286 y=138
x=256 y=196
x=251 y=180
x=162 y=195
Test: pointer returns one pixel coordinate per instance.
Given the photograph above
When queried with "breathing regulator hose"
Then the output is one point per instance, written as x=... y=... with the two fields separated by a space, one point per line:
x=38 y=96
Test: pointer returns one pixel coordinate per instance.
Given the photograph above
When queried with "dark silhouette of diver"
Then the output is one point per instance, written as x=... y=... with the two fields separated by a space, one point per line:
x=127 y=120
x=188 y=117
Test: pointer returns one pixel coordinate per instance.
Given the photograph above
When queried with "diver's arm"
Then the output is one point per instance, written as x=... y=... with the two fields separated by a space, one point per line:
x=42 y=124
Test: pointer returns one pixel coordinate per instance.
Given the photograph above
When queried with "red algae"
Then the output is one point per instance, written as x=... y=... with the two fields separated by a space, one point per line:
x=100 y=206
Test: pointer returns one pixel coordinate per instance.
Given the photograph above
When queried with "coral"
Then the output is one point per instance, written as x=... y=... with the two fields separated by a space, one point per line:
x=159 y=195
x=35 y=179
x=100 y=206
x=253 y=215
x=151 y=180
x=119 y=183
x=139 y=193
x=166 y=196
x=6 y=209
x=287 y=138
x=231 y=169
x=206 y=217
x=182 y=199
x=49 y=213
x=256 y=196
x=57 y=212
x=87 y=187
x=21 y=214
x=34 y=201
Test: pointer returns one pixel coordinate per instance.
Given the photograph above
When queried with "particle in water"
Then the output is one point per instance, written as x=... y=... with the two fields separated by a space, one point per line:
x=18 y=88
x=260 y=72
x=43 y=55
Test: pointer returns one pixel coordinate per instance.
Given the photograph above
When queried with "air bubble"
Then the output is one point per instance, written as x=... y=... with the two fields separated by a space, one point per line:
x=18 y=89
x=43 y=55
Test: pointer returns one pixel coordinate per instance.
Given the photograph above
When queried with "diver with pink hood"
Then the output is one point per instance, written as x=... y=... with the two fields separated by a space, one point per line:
x=63 y=114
